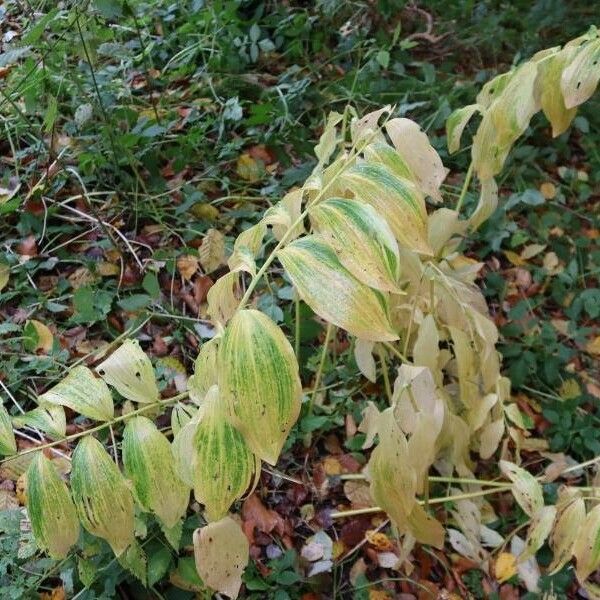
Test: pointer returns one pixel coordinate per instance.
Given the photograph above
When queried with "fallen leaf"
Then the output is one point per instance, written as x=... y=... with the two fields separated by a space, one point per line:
x=249 y=169
x=40 y=338
x=4 y=274
x=379 y=541
x=569 y=389
x=532 y=250
x=358 y=493
x=212 y=250
x=187 y=265
x=593 y=346
x=332 y=466
x=263 y=518
x=548 y=190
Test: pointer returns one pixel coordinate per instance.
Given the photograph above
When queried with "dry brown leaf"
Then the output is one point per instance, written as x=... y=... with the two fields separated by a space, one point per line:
x=358 y=493
x=265 y=519
x=212 y=250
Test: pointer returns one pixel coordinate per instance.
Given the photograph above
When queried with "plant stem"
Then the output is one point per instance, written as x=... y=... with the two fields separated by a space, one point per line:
x=465 y=188
x=375 y=509
x=499 y=484
x=321 y=365
x=104 y=425
x=297 y=324
x=386 y=375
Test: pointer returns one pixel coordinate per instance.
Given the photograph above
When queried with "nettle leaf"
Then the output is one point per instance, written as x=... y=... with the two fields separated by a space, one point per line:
x=526 y=490
x=397 y=200
x=334 y=293
x=539 y=530
x=82 y=392
x=580 y=79
x=129 y=370
x=223 y=465
x=587 y=545
x=148 y=462
x=456 y=123
x=566 y=531
x=414 y=146
x=205 y=371
x=50 y=419
x=8 y=444
x=221 y=551
x=259 y=381
x=50 y=508
x=102 y=498
x=362 y=240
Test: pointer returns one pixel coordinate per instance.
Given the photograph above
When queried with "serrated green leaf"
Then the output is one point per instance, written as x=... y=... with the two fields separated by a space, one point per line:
x=148 y=462
x=456 y=123
x=83 y=393
x=526 y=490
x=334 y=293
x=587 y=545
x=50 y=508
x=221 y=551
x=566 y=531
x=50 y=419
x=362 y=240
x=129 y=370
x=8 y=444
x=222 y=464
x=397 y=200
x=580 y=78
x=102 y=498
x=259 y=381
x=135 y=561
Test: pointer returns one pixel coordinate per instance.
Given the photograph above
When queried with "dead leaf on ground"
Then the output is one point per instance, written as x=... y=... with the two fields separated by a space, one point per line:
x=263 y=518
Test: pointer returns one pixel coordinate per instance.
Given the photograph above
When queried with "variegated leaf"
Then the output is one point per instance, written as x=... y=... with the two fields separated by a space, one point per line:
x=488 y=202
x=82 y=392
x=102 y=499
x=390 y=158
x=539 y=530
x=566 y=531
x=222 y=464
x=580 y=79
x=205 y=371
x=129 y=370
x=414 y=147
x=50 y=508
x=456 y=123
x=587 y=545
x=334 y=293
x=221 y=551
x=246 y=248
x=181 y=415
x=362 y=240
x=221 y=298
x=284 y=214
x=50 y=419
x=397 y=200
x=8 y=444
x=259 y=381
x=148 y=462
x=526 y=490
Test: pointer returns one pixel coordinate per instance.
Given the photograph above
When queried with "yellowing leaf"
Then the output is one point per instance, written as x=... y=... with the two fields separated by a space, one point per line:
x=488 y=202
x=539 y=530
x=51 y=511
x=181 y=415
x=284 y=214
x=569 y=389
x=397 y=200
x=390 y=158
x=44 y=338
x=221 y=297
x=187 y=265
x=505 y=566
x=362 y=240
x=580 y=79
x=83 y=393
x=222 y=465
x=8 y=444
x=102 y=498
x=4 y=275
x=212 y=250
x=456 y=123
x=566 y=531
x=526 y=490
x=259 y=381
x=413 y=145
x=246 y=248
x=205 y=371
x=129 y=370
x=333 y=292
x=221 y=551
x=148 y=462
x=50 y=419
x=363 y=355
x=249 y=169
x=587 y=545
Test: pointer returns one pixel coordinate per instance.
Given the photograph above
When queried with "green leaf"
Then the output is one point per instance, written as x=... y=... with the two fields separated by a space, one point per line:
x=149 y=464
x=221 y=551
x=259 y=381
x=390 y=158
x=397 y=200
x=135 y=561
x=8 y=444
x=50 y=419
x=83 y=393
x=456 y=123
x=580 y=79
x=334 y=293
x=129 y=370
x=362 y=240
x=102 y=497
x=50 y=508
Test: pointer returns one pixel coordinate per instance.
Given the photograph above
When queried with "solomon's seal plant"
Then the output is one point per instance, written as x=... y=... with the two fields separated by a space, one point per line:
x=365 y=254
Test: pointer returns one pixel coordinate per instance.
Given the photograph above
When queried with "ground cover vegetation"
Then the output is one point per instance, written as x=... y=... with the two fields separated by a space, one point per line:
x=332 y=268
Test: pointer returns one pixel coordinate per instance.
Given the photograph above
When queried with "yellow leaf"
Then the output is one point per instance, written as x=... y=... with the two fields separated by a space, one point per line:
x=514 y=258
x=212 y=251
x=505 y=567
x=593 y=346
x=187 y=265
x=548 y=190
x=569 y=389
x=201 y=210
x=249 y=169
x=4 y=273
x=44 y=336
